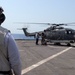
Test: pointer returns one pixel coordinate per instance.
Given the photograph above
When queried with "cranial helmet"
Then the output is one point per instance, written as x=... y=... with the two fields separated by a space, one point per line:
x=1 y=9
x=2 y=16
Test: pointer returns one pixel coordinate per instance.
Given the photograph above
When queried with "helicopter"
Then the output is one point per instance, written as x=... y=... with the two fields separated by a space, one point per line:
x=56 y=34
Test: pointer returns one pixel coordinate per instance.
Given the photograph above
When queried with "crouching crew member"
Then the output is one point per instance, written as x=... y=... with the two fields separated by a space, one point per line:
x=43 y=40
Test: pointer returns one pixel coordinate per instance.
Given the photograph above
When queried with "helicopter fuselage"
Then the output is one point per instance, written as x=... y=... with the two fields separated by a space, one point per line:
x=60 y=35
x=57 y=35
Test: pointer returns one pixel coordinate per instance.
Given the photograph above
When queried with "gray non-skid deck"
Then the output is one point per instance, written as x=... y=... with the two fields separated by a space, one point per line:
x=46 y=60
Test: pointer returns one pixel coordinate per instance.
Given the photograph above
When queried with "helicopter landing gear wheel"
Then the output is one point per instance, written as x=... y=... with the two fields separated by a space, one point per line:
x=68 y=44
x=57 y=43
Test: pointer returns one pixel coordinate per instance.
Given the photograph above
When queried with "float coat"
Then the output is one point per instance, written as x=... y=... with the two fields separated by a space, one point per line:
x=4 y=60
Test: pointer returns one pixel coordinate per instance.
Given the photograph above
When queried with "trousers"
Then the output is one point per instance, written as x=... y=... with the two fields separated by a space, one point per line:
x=6 y=72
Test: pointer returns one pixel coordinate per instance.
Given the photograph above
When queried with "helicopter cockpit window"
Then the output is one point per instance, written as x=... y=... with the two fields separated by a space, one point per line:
x=68 y=32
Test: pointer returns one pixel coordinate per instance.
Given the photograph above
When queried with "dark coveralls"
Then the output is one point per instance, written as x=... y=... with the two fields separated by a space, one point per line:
x=43 y=41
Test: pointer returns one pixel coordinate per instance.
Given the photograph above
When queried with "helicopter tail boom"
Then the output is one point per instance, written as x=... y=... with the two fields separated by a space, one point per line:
x=27 y=33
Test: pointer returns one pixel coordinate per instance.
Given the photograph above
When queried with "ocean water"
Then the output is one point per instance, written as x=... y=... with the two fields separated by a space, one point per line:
x=22 y=36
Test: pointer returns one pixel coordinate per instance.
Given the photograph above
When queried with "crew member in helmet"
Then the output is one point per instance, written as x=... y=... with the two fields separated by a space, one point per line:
x=9 y=54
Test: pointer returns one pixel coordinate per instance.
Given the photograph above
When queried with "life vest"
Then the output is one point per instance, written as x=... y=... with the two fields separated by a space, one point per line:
x=37 y=35
x=4 y=61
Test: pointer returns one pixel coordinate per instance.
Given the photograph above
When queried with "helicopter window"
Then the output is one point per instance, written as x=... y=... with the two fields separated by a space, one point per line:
x=68 y=32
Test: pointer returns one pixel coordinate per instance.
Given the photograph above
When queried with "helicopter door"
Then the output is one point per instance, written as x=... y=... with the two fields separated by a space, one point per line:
x=69 y=35
x=54 y=35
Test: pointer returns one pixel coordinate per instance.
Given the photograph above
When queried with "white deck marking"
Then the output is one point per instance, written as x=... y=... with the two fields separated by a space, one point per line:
x=21 y=50
x=44 y=61
x=53 y=46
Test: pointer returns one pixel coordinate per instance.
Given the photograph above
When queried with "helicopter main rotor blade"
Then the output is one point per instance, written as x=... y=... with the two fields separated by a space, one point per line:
x=66 y=24
x=32 y=23
x=71 y=23
x=58 y=24
x=38 y=23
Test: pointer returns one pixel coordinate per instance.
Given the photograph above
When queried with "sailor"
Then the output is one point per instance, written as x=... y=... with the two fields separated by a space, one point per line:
x=10 y=62
x=43 y=40
x=37 y=38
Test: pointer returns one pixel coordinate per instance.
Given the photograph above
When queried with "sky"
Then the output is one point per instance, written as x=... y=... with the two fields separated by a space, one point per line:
x=38 y=11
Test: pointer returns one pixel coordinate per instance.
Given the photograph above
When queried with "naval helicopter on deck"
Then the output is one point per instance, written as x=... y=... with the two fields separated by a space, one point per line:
x=56 y=33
